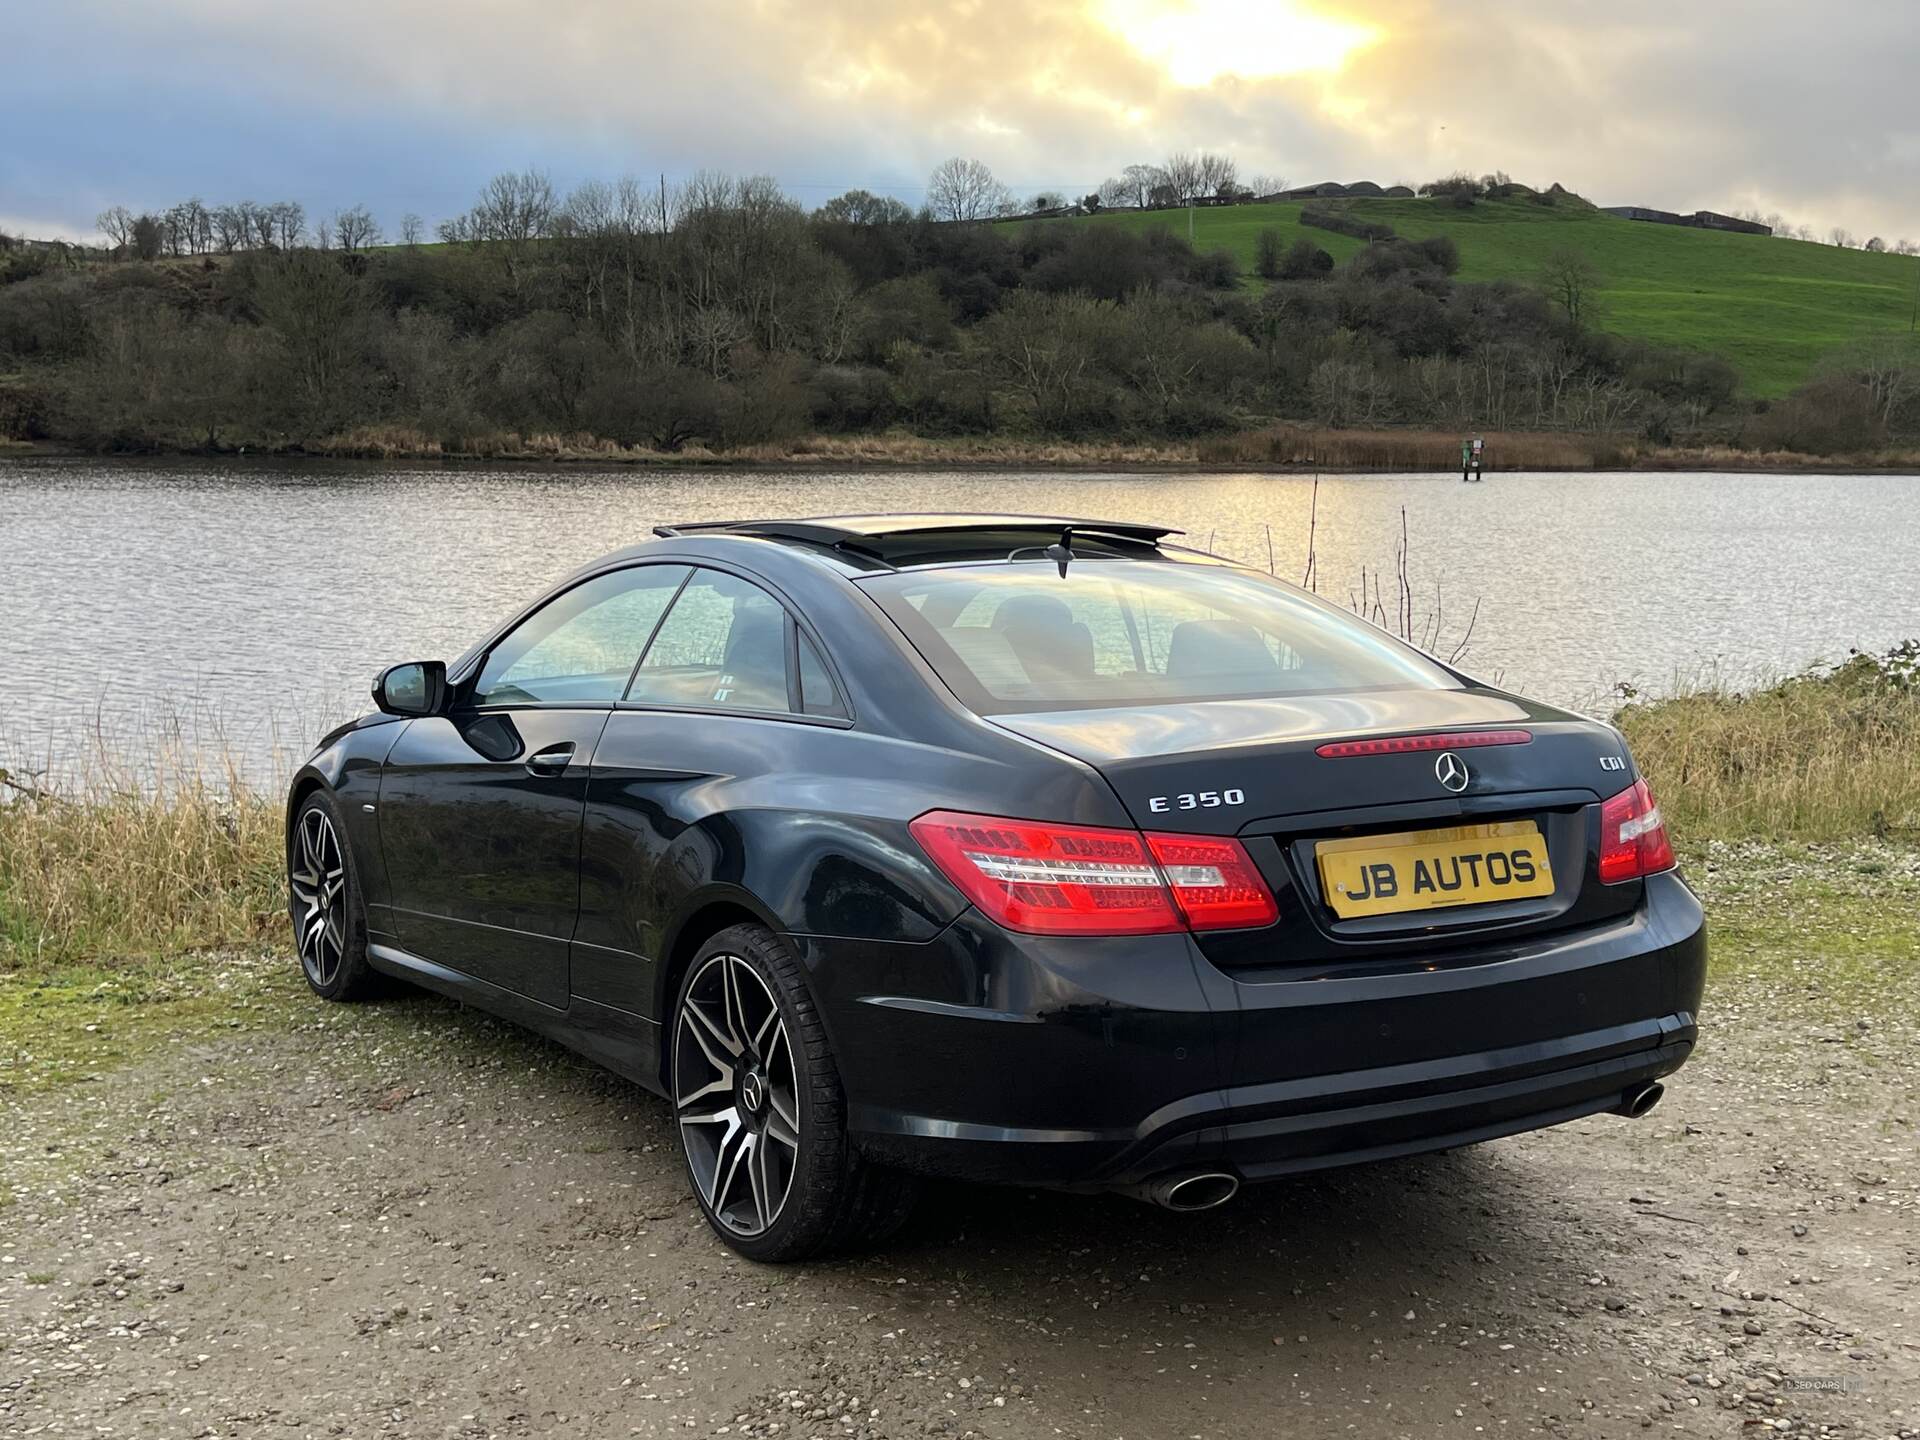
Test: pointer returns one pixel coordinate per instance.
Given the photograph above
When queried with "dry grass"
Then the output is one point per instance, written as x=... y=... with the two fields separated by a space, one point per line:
x=1308 y=447
x=1733 y=457
x=138 y=859
x=402 y=442
x=1819 y=757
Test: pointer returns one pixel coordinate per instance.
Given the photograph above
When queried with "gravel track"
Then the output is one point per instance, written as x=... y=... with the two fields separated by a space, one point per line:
x=407 y=1219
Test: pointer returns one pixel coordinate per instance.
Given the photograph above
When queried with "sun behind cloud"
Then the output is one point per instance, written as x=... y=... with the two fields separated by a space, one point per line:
x=1198 y=41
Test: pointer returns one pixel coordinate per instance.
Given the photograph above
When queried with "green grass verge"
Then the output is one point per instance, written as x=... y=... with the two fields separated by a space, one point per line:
x=1833 y=932
x=75 y=1021
x=1771 y=307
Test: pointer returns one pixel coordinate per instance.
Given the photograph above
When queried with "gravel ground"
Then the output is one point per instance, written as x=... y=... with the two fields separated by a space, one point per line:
x=407 y=1219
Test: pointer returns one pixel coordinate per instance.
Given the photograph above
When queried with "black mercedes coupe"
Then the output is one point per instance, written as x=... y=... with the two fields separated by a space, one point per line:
x=1008 y=848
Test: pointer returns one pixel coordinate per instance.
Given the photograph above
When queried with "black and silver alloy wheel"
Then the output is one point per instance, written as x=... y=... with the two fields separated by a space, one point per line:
x=735 y=1094
x=317 y=876
x=323 y=898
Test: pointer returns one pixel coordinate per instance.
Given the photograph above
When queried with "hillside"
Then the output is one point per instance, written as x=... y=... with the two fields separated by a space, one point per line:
x=1771 y=307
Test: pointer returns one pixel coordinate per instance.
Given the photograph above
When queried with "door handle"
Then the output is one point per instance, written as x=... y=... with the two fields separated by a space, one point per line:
x=551 y=761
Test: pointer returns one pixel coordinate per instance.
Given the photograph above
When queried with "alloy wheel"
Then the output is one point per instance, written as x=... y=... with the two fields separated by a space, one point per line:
x=318 y=877
x=734 y=1094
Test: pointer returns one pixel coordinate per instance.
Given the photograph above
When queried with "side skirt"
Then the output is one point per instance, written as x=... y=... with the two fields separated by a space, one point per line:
x=627 y=1044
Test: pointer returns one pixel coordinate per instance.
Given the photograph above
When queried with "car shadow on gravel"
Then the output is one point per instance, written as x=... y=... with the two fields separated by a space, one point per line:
x=1446 y=1207
x=1431 y=1214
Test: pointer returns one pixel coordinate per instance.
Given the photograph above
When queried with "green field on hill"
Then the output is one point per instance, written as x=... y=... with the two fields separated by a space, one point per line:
x=1771 y=307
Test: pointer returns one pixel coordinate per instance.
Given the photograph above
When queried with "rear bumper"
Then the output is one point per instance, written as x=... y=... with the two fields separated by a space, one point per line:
x=1101 y=1064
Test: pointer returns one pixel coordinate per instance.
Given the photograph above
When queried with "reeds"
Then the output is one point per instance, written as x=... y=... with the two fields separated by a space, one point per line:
x=1823 y=756
x=136 y=857
x=403 y=442
x=1306 y=446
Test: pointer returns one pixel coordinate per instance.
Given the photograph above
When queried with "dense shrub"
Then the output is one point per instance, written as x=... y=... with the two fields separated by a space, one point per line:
x=747 y=323
x=1831 y=415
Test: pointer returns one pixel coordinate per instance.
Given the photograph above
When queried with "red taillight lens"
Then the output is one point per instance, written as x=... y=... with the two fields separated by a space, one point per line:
x=1404 y=744
x=1214 y=882
x=1043 y=879
x=1633 y=836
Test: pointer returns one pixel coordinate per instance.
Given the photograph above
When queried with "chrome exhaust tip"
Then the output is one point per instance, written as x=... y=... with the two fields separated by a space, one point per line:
x=1640 y=1098
x=1194 y=1190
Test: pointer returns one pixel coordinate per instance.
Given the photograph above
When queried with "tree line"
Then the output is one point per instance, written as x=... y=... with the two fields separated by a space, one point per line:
x=721 y=313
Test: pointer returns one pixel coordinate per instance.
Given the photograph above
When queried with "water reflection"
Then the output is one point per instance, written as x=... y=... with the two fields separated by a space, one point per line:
x=256 y=601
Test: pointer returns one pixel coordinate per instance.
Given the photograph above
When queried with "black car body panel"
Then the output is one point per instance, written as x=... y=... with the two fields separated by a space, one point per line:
x=559 y=863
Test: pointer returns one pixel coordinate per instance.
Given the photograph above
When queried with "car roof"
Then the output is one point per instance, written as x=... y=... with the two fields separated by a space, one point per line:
x=936 y=537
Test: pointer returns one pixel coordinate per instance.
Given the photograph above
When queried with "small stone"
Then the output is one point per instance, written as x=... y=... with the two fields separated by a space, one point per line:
x=1753 y=1327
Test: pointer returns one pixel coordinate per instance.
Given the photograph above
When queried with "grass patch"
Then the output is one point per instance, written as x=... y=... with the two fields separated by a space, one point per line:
x=1834 y=930
x=1772 y=307
x=77 y=1020
x=1825 y=755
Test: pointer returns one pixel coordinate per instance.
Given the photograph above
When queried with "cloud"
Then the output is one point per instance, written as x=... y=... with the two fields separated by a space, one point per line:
x=410 y=104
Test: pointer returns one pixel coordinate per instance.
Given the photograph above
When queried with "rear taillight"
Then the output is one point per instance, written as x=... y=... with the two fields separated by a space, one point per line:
x=1213 y=881
x=1044 y=879
x=1633 y=836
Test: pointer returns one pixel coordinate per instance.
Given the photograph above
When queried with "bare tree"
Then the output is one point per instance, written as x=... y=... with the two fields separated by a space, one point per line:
x=323 y=235
x=1182 y=174
x=117 y=225
x=1047 y=200
x=356 y=228
x=290 y=223
x=189 y=229
x=515 y=207
x=410 y=229
x=233 y=226
x=1888 y=365
x=1876 y=245
x=965 y=190
x=1218 y=175
x=1264 y=184
x=1841 y=236
x=859 y=207
x=1570 y=278
x=1140 y=182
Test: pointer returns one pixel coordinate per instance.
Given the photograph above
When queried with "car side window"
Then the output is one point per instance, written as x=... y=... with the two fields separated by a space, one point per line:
x=817 y=693
x=580 y=648
x=723 y=645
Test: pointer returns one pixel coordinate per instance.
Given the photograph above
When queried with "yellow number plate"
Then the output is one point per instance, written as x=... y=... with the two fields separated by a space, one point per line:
x=1428 y=869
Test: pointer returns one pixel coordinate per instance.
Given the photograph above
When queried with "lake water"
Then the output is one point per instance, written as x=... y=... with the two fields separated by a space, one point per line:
x=252 y=603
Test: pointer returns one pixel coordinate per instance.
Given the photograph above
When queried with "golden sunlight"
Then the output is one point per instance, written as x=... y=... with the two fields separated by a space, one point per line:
x=1198 y=41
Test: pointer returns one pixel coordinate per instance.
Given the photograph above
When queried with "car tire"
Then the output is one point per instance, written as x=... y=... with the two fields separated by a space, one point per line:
x=760 y=1110
x=325 y=900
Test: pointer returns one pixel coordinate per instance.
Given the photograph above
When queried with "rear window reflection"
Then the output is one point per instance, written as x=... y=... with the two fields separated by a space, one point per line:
x=1023 y=637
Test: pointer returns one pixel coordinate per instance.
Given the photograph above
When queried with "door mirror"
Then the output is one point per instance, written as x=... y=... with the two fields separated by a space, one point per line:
x=416 y=688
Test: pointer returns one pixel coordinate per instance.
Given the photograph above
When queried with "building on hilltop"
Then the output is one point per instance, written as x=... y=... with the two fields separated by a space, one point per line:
x=1699 y=220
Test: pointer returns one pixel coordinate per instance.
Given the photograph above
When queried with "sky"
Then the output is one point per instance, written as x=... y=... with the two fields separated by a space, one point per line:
x=409 y=105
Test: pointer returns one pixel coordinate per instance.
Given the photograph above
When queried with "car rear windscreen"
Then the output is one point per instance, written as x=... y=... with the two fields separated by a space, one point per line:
x=1022 y=637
